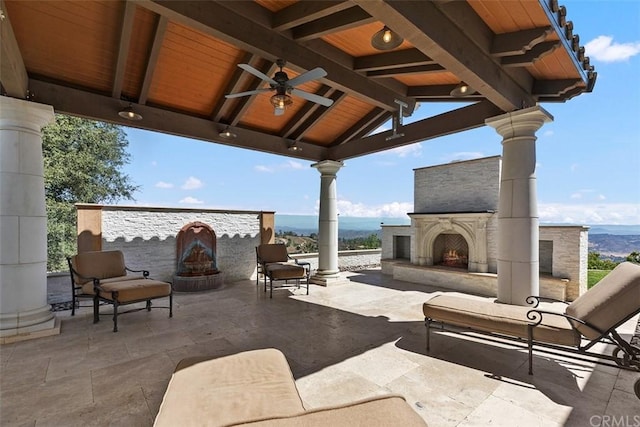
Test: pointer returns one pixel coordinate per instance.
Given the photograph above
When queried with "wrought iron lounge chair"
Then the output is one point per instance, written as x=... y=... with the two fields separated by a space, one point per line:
x=104 y=276
x=590 y=319
x=274 y=263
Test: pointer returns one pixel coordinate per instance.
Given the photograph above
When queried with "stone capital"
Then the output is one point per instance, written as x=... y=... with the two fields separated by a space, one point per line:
x=520 y=122
x=26 y=115
x=328 y=167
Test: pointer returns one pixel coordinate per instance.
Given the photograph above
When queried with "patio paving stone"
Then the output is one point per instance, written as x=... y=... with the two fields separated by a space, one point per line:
x=343 y=343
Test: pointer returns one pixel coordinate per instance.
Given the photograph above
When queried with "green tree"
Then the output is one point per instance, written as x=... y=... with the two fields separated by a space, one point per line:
x=83 y=162
x=634 y=257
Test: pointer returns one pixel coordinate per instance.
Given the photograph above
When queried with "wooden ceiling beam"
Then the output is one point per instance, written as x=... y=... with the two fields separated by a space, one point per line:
x=13 y=74
x=518 y=42
x=339 y=21
x=555 y=87
x=77 y=102
x=304 y=113
x=217 y=20
x=317 y=115
x=454 y=121
x=445 y=37
x=152 y=61
x=414 y=69
x=389 y=60
x=306 y=11
x=531 y=56
x=361 y=128
x=123 y=50
x=245 y=102
x=239 y=81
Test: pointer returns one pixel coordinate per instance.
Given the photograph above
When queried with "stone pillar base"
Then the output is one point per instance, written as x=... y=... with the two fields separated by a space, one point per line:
x=41 y=330
x=328 y=280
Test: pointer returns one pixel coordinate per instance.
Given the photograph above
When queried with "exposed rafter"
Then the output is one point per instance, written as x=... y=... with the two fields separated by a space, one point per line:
x=414 y=69
x=465 y=118
x=369 y=122
x=304 y=113
x=530 y=56
x=245 y=102
x=432 y=32
x=239 y=81
x=105 y=108
x=123 y=50
x=518 y=42
x=389 y=60
x=242 y=32
x=161 y=27
x=342 y=20
x=13 y=74
x=317 y=115
x=302 y=12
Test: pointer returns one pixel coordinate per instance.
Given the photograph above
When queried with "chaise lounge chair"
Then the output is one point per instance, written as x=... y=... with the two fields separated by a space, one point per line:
x=274 y=263
x=590 y=319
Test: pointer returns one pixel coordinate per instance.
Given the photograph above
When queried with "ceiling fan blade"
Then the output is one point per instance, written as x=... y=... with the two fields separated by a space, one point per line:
x=316 y=73
x=312 y=97
x=248 y=68
x=251 y=92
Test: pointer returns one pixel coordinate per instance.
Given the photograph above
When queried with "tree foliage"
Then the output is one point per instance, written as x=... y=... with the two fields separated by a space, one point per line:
x=83 y=162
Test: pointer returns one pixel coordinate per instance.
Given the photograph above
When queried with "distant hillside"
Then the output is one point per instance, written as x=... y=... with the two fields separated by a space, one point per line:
x=612 y=246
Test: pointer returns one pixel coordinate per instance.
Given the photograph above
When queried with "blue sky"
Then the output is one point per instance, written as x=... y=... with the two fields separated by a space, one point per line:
x=588 y=168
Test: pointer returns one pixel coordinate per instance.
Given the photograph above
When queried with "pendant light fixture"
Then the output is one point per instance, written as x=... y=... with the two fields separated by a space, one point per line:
x=461 y=90
x=129 y=114
x=385 y=39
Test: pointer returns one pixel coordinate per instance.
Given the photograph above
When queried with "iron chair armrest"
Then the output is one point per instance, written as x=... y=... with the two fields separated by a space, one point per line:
x=304 y=264
x=535 y=300
x=145 y=273
x=536 y=315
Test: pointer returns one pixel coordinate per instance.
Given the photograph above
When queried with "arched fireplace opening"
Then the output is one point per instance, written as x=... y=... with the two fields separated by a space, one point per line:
x=451 y=250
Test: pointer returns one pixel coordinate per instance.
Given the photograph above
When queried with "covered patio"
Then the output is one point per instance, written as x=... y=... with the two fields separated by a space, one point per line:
x=343 y=343
x=169 y=66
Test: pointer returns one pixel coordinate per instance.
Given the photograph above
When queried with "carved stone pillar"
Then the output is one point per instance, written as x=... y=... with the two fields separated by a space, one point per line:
x=23 y=221
x=518 y=225
x=328 y=222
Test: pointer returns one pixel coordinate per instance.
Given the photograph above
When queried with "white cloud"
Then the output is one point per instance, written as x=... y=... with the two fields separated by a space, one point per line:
x=295 y=165
x=604 y=49
x=262 y=168
x=601 y=197
x=162 y=184
x=288 y=165
x=388 y=210
x=576 y=195
x=191 y=201
x=547 y=133
x=413 y=150
x=590 y=213
x=463 y=155
x=192 y=183
x=154 y=163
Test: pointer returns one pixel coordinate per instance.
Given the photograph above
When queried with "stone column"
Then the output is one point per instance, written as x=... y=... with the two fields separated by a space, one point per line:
x=24 y=311
x=328 y=223
x=518 y=226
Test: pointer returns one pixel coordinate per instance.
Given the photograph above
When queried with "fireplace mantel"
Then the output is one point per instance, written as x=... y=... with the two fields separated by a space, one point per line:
x=470 y=225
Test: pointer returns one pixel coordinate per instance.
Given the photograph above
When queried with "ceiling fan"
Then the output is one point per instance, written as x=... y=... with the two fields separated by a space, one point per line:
x=283 y=86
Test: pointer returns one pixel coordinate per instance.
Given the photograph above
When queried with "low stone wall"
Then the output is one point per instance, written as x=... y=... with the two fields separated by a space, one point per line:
x=347 y=260
x=485 y=284
x=147 y=236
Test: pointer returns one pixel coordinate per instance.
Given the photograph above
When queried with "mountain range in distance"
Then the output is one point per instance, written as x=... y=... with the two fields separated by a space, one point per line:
x=307 y=224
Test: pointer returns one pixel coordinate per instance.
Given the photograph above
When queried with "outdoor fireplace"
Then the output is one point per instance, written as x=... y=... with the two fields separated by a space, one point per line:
x=196 y=265
x=451 y=250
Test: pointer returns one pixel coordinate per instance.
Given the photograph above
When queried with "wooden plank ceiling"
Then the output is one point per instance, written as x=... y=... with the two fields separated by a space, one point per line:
x=174 y=62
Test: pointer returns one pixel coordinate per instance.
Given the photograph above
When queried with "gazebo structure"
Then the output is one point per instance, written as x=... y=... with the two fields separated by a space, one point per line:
x=167 y=66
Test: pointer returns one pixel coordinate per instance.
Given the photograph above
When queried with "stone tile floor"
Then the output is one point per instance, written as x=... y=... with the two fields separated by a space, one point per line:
x=343 y=343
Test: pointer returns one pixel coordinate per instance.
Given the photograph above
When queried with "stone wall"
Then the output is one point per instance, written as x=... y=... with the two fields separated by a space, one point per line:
x=147 y=237
x=563 y=255
x=469 y=186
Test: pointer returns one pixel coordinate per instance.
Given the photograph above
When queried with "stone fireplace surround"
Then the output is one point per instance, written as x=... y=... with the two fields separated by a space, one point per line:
x=462 y=198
